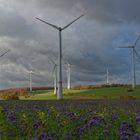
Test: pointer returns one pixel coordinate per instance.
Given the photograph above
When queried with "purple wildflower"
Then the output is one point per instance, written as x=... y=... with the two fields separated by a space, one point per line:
x=37 y=124
x=93 y=112
x=136 y=137
x=69 y=135
x=86 y=126
x=106 y=132
x=79 y=130
x=124 y=137
x=93 y=122
x=34 y=138
x=42 y=136
x=71 y=115
x=108 y=125
x=137 y=118
x=52 y=135
x=113 y=116
x=126 y=130
x=12 y=117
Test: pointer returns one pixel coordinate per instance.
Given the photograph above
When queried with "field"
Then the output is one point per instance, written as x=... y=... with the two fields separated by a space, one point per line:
x=97 y=93
x=107 y=113
x=70 y=120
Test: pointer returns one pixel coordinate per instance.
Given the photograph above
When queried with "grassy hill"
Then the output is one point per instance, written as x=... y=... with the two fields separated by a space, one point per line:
x=97 y=93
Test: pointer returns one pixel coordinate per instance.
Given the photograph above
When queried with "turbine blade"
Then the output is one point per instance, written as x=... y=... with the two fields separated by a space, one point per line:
x=137 y=54
x=1 y=51
x=71 y=22
x=54 y=68
x=137 y=40
x=51 y=60
x=54 y=26
x=125 y=46
x=4 y=53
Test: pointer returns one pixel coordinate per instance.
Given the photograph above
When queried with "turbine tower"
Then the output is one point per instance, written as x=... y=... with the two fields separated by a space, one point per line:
x=55 y=79
x=30 y=80
x=107 y=75
x=69 y=76
x=60 y=29
x=134 y=52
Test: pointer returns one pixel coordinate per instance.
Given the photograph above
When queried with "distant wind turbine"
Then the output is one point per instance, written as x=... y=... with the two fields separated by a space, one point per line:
x=69 y=66
x=60 y=29
x=54 y=72
x=134 y=52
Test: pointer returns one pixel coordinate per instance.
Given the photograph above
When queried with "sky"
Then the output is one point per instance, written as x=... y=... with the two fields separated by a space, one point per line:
x=90 y=45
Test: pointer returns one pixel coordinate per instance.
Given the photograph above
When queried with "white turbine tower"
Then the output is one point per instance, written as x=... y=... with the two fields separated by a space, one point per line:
x=60 y=29
x=134 y=52
x=107 y=76
x=54 y=72
x=69 y=76
x=30 y=80
x=55 y=79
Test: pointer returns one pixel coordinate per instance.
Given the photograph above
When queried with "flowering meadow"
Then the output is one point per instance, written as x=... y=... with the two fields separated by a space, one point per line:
x=70 y=120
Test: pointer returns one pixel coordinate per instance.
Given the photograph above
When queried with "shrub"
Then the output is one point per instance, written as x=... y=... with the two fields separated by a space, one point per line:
x=130 y=90
x=106 y=97
x=27 y=96
x=127 y=98
x=13 y=92
x=10 y=96
x=79 y=87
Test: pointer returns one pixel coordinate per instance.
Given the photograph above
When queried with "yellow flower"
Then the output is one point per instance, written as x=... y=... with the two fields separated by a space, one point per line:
x=41 y=115
x=65 y=122
x=54 y=109
x=24 y=115
x=101 y=114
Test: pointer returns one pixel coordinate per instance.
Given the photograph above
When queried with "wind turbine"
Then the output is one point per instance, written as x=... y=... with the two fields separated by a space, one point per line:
x=60 y=29
x=69 y=66
x=54 y=72
x=134 y=52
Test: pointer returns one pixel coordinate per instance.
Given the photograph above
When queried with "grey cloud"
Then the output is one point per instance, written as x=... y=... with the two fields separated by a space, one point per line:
x=89 y=46
x=104 y=11
x=14 y=25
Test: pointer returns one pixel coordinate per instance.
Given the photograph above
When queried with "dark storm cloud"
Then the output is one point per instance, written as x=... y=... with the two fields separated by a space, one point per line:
x=13 y=25
x=106 y=11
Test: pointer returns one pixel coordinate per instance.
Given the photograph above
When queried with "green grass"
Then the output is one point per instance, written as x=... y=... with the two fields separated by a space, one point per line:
x=100 y=93
x=41 y=92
